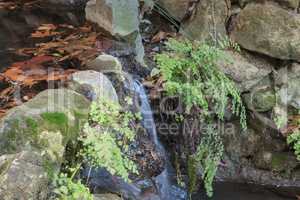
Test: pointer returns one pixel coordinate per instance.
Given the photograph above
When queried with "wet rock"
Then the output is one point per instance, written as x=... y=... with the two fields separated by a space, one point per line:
x=46 y=123
x=22 y=176
x=208 y=21
x=93 y=85
x=176 y=8
x=269 y=29
x=106 y=196
x=100 y=180
x=105 y=64
x=246 y=71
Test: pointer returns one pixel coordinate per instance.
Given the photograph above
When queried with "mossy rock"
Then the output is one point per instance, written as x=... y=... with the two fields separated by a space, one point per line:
x=46 y=123
x=260 y=101
x=283 y=162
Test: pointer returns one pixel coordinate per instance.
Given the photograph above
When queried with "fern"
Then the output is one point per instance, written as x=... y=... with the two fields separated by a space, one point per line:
x=294 y=139
x=106 y=142
x=190 y=70
x=67 y=189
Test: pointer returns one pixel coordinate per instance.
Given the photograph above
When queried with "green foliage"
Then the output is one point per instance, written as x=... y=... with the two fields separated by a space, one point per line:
x=294 y=139
x=67 y=189
x=208 y=156
x=191 y=71
x=105 y=141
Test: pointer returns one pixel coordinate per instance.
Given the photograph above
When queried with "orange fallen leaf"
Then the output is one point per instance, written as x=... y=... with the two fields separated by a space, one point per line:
x=161 y=35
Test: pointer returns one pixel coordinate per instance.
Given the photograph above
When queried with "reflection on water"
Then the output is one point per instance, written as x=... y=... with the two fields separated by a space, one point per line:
x=231 y=191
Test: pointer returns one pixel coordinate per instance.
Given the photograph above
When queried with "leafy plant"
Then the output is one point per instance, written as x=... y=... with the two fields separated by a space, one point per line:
x=67 y=189
x=107 y=137
x=294 y=139
x=190 y=70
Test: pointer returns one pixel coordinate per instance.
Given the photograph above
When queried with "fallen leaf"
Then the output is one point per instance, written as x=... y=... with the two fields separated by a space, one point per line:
x=45 y=30
x=161 y=35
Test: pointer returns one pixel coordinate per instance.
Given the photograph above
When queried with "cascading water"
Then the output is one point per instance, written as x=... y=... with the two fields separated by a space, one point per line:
x=167 y=191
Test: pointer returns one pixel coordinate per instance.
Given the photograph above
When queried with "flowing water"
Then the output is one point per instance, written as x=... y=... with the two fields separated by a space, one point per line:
x=167 y=191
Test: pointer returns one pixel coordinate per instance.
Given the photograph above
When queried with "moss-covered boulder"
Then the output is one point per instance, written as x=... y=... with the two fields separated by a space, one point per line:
x=47 y=123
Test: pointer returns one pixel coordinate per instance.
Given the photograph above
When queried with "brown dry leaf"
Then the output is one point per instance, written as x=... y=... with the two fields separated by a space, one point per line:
x=45 y=30
x=28 y=72
x=161 y=35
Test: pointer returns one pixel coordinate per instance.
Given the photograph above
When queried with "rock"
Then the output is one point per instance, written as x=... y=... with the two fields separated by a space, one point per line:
x=22 y=176
x=105 y=64
x=116 y=17
x=281 y=161
x=261 y=100
x=208 y=21
x=106 y=196
x=177 y=8
x=46 y=124
x=93 y=85
x=293 y=4
x=250 y=143
x=246 y=71
x=270 y=30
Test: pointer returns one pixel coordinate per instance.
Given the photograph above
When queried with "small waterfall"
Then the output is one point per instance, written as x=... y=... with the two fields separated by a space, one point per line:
x=162 y=180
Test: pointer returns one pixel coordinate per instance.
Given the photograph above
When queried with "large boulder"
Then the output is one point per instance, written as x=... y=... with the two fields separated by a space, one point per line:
x=269 y=29
x=46 y=123
x=209 y=20
x=23 y=176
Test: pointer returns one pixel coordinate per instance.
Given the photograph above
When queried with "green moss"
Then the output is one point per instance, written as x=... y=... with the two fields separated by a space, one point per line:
x=57 y=118
x=5 y=165
x=279 y=162
x=192 y=174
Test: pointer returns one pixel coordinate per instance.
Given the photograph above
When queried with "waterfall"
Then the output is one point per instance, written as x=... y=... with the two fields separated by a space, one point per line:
x=162 y=180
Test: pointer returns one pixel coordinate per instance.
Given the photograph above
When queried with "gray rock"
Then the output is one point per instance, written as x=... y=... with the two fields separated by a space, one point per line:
x=246 y=71
x=105 y=64
x=116 y=17
x=208 y=21
x=93 y=85
x=46 y=123
x=269 y=29
x=23 y=177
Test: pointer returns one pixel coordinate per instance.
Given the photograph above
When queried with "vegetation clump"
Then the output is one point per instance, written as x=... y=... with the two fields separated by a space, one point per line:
x=190 y=70
x=294 y=140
